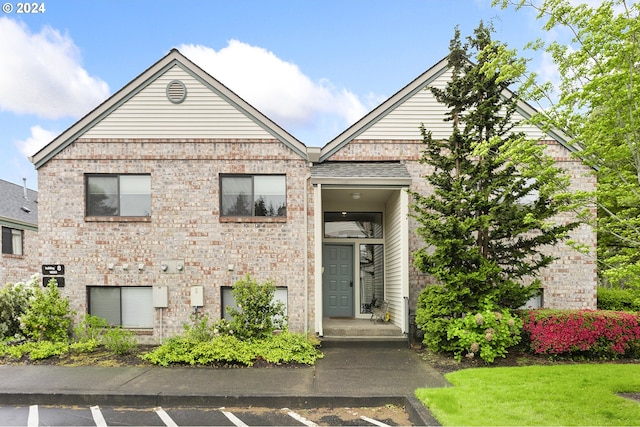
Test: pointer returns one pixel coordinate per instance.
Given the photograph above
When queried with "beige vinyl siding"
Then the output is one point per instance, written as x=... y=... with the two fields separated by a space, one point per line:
x=403 y=122
x=393 y=256
x=203 y=114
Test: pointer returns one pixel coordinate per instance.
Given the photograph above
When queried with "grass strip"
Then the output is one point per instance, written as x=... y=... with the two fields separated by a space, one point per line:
x=570 y=395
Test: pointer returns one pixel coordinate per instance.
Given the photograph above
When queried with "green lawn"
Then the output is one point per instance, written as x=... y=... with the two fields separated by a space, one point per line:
x=579 y=395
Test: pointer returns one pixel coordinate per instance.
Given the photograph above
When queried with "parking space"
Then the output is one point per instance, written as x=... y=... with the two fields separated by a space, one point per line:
x=35 y=415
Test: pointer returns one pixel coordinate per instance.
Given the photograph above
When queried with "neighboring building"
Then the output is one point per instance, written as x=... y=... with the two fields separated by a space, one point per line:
x=174 y=188
x=19 y=259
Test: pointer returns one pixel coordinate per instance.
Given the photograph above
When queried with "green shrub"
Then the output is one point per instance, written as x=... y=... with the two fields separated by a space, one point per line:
x=278 y=348
x=618 y=299
x=85 y=346
x=436 y=308
x=48 y=317
x=257 y=315
x=181 y=350
x=37 y=350
x=287 y=347
x=90 y=328
x=224 y=349
x=120 y=341
x=488 y=333
x=14 y=300
x=202 y=328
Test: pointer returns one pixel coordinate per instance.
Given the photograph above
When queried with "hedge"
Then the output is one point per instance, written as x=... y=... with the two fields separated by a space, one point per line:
x=587 y=333
x=618 y=299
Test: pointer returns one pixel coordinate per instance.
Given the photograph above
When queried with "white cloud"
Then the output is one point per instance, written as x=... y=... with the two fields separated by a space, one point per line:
x=41 y=74
x=38 y=139
x=277 y=88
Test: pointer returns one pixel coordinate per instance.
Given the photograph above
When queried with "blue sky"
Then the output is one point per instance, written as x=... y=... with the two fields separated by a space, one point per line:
x=314 y=67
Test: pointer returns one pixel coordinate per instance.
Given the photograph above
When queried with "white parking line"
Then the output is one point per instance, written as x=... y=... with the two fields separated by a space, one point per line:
x=300 y=418
x=374 y=422
x=97 y=417
x=234 y=419
x=33 y=420
x=166 y=419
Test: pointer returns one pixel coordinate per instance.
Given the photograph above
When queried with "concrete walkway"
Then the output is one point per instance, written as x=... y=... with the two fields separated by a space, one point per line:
x=350 y=374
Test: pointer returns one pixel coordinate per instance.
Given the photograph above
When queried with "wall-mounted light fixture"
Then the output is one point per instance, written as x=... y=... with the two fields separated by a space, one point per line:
x=164 y=267
x=356 y=196
x=140 y=267
x=111 y=266
x=125 y=267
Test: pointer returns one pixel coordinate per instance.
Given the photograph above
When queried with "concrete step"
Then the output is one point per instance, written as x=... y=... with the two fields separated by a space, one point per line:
x=364 y=342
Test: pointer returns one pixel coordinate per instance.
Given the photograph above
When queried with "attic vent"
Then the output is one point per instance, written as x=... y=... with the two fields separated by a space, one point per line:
x=176 y=91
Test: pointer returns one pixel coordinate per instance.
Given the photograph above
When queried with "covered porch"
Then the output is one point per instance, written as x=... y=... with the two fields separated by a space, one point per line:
x=361 y=246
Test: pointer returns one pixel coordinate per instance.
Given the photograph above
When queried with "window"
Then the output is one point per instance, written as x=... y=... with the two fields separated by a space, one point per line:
x=129 y=307
x=118 y=195
x=253 y=195
x=11 y=241
x=359 y=225
x=371 y=276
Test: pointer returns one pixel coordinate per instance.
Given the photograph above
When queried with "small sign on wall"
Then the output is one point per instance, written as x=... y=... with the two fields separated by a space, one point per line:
x=59 y=280
x=52 y=269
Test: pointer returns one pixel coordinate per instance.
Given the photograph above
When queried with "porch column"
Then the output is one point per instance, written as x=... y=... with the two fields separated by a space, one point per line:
x=317 y=241
x=404 y=236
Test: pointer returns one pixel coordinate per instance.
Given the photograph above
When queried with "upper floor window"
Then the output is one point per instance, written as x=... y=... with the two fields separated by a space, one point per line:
x=11 y=241
x=118 y=195
x=253 y=195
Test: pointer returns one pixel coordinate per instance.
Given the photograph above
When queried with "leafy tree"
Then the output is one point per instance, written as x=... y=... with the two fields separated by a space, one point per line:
x=597 y=103
x=495 y=194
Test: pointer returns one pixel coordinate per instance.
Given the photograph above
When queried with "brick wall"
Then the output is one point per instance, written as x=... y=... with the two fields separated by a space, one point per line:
x=184 y=224
x=570 y=282
x=20 y=268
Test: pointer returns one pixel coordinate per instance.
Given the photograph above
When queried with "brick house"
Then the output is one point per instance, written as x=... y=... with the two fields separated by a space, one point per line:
x=162 y=197
x=19 y=237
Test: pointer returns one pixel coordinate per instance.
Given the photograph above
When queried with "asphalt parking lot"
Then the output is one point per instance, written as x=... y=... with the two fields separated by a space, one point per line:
x=100 y=416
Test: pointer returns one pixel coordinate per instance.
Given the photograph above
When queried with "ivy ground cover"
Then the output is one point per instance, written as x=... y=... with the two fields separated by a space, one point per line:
x=578 y=395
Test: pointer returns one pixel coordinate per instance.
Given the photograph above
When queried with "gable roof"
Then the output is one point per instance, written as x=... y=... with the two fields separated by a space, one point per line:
x=422 y=82
x=173 y=58
x=16 y=210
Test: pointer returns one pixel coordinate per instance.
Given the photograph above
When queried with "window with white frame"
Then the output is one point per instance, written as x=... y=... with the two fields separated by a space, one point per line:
x=118 y=195
x=12 y=241
x=253 y=195
x=129 y=307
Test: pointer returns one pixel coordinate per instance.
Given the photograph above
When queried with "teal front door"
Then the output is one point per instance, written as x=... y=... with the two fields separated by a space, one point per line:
x=337 y=281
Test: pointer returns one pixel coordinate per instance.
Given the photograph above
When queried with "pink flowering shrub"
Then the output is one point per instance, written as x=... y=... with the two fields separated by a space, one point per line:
x=588 y=333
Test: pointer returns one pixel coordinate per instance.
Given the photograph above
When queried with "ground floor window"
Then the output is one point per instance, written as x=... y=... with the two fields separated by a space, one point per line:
x=371 y=276
x=229 y=301
x=129 y=307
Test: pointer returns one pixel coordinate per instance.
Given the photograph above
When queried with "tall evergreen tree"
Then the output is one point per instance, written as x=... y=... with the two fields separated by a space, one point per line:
x=494 y=197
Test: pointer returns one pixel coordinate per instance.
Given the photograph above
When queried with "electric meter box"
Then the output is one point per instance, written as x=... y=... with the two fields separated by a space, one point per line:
x=197 y=296
x=160 y=296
